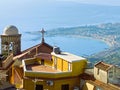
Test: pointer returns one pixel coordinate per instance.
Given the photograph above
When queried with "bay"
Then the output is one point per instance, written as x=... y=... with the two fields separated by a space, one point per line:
x=75 y=45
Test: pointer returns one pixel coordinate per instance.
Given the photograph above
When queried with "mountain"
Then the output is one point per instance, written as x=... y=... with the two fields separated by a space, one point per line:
x=108 y=32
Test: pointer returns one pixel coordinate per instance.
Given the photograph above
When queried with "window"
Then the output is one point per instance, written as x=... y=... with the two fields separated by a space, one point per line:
x=55 y=62
x=110 y=74
x=39 y=87
x=69 y=66
x=98 y=71
x=42 y=61
x=65 y=87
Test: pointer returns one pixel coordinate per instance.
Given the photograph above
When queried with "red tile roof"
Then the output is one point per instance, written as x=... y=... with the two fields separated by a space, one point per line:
x=103 y=66
x=44 y=56
x=89 y=78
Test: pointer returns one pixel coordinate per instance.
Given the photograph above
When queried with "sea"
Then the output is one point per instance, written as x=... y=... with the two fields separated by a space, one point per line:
x=75 y=45
x=34 y=16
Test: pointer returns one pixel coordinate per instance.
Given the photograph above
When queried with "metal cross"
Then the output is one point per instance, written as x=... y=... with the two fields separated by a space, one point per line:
x=42 y=31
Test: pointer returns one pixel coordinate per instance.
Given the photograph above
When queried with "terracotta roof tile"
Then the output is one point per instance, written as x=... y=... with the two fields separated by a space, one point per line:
x=103 y=66
x=44 y=56
x=89 y=78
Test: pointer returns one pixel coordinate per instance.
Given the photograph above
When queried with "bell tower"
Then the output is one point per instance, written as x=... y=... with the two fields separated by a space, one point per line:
x=10 y=40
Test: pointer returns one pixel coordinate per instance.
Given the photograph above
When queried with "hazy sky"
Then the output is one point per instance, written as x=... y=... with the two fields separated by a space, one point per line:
x=44 y=12
x=33 y=15
x=98 y=2
x=16 y=3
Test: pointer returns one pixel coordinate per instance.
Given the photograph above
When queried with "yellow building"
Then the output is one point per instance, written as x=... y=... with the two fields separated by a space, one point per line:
x=55 y=71
x=43 y=67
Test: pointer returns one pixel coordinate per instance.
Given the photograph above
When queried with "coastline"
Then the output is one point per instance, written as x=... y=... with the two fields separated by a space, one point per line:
x=103 y=39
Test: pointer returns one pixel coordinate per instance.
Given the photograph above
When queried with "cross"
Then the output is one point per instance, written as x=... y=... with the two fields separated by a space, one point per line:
x=42 y=31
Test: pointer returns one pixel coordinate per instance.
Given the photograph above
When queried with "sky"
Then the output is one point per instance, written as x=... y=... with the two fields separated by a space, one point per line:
x=42 y=13
x=97 y=2
x=23 y=2
x=33 y=15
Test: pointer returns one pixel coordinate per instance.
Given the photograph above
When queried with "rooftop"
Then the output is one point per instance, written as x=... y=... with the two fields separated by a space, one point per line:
x=68 y=56
x=40 y=68
x=10 y=30
x=103 y=85
x=89 y=78
x=103 y=66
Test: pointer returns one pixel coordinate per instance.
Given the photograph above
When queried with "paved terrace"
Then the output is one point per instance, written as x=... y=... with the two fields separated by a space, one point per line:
x=40 y=68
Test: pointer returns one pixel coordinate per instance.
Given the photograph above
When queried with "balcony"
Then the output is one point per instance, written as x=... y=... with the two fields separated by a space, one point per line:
x=35 y=69
x=40 y=68
x=53 y=66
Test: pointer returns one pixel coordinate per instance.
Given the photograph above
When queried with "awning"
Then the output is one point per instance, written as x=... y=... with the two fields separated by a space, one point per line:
x=44 y=56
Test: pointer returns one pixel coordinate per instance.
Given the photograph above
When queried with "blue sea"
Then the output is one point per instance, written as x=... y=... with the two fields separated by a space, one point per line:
x=33 y=16
x=75 y=45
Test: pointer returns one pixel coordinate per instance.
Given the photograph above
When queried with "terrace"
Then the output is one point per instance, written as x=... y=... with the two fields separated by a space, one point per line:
x=33 y=69
x=53 y=65
x=40 y=68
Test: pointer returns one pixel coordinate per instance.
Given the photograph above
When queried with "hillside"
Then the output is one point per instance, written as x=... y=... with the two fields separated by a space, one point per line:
x=108 y=32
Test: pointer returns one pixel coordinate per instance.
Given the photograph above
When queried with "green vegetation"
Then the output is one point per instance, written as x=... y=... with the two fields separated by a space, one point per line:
x=109 y=32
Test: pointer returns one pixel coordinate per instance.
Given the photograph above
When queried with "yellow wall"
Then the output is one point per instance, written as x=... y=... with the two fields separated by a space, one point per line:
x=72 y=83
x=48 y=74
x=62 y=65
x=48 y=62
x=12 y=77
x=65 y=65
x=88 y=86
x=38 y=60
x=29 y=84
x=78 y=67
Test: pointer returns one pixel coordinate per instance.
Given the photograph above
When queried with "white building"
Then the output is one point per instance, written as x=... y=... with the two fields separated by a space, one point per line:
x=107 y=73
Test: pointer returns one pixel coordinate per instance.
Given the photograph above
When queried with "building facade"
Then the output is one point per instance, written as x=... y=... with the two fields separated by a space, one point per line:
x=53 y=71
x=107 y=73
x=103 y=71
x=104 y=77
x=43 y=67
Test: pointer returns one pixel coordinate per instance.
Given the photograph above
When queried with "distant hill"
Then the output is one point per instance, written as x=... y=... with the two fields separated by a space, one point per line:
x=109 y=32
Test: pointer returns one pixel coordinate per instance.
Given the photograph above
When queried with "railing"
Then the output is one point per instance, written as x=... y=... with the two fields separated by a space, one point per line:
x=7 y=61
x=76 y=70
x=48 y=74
x=44 y=74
